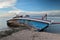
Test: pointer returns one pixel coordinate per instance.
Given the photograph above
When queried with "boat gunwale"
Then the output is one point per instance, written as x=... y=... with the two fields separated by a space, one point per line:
x=39 y=20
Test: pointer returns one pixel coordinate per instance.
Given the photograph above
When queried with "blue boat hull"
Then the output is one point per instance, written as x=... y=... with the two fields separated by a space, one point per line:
x=35 y=24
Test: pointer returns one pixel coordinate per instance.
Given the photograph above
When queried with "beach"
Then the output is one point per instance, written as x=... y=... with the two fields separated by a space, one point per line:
x=26 y=34
x=32 y=35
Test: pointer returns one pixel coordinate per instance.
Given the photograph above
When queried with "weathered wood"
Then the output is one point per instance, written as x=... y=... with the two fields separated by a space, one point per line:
x=14 y=23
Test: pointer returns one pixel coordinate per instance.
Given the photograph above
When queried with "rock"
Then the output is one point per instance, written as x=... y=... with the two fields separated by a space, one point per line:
x=32 y=35
x=5 y=33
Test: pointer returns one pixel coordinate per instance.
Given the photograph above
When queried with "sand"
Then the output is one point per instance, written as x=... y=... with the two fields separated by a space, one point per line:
x=32 y=35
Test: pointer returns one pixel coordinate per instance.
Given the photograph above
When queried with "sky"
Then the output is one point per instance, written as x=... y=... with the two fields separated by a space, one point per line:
x=38 y=5
x=28 y=5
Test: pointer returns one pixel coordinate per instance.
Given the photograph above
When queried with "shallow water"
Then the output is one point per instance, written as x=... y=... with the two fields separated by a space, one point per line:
x=53 y=28
x=3 y=23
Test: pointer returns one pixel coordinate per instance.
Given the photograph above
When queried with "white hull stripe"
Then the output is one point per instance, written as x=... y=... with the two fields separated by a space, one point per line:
x=35 y=20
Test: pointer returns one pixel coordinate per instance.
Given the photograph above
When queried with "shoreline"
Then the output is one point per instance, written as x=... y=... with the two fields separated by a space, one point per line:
x=32 y=35
x=5 y=33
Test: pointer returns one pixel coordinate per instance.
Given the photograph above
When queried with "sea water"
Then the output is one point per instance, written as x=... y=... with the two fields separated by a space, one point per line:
x=53 y=28
x=3 y=23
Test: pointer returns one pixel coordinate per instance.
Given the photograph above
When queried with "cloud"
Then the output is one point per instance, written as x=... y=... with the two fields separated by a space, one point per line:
x=6 y=15
x=7 y=3
x=54 y=12
x=20 y=12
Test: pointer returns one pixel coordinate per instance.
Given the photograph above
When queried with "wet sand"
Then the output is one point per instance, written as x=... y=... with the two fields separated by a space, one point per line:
x=32 y=35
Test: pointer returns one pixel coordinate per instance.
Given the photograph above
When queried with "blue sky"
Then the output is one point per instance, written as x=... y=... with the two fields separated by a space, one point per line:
x=29 y=5
x=38 y=5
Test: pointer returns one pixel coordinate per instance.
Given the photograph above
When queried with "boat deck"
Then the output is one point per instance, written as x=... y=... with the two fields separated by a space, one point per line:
x=35 y=23
x=39 y=20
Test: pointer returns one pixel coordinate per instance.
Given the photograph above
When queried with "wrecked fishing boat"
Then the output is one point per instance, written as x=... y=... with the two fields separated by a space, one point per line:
x=38 y=24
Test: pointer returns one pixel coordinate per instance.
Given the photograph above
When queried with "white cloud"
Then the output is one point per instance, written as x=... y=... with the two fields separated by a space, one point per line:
x=7 y=3
x=51 y=12
x=20 y=12
x=7 y=15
